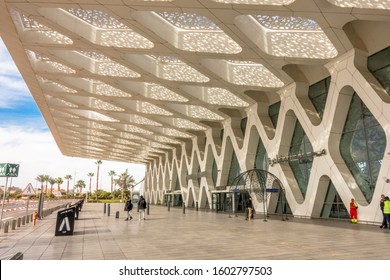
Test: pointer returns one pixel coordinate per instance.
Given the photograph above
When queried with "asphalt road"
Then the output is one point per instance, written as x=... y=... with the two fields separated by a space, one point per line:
x=14 y=209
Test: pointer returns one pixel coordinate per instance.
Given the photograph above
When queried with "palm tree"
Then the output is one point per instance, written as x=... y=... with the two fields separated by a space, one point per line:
x=59 y=182
x=51 y=181
x=98 y=163
x=80 y=185
x=67 y=177
x=41 y=179
x=112 y=174
x=127 y=182
x=117 y=182
x=90 y=175
x=46 y=180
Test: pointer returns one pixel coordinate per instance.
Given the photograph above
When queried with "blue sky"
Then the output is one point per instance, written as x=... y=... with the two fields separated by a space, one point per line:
x=26 y=139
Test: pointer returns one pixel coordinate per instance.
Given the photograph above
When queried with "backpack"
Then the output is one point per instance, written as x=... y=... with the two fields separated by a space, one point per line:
x=143 y=203
x=128 y=206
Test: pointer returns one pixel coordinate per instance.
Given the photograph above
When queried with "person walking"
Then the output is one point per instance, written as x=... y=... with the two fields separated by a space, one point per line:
x=128 y=208
x=382 y=205
x=353 y=206
x=386 y=209
x=141 y=208
x=249 y=207
x=35 y=217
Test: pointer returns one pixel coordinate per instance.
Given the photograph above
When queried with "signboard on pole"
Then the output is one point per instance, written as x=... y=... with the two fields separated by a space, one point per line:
x=29 y=190
x=9 y=170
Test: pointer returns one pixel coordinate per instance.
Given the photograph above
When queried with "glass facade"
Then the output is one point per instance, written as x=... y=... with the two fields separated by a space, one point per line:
x=214 y=173
x=234 y=170
x=301 y=167
x=177 y=187
x=261 y=159
x=273 y=112
x=243 y=125
x=318 y=94
x=333 y=205
x=362 y=146
x=379 y=66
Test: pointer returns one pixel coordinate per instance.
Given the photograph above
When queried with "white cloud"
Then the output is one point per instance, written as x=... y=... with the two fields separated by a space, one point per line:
x=37 y=153
x=13 y=89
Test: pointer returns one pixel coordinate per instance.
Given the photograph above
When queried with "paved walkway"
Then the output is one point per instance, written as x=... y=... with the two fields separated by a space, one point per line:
x=194 y=236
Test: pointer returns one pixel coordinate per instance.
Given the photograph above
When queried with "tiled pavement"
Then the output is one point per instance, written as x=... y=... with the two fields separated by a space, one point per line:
x=195 y=235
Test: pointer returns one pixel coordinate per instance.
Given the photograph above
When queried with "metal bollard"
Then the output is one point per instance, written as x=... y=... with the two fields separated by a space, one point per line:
x=13 y=224
x=197 y=206
x=169 y=206
x=117 y=215
x=6 y=225
x=23 y=220
x=147 y=209
x=19 y=222
x=27 y=219
x=104 y=208
x=184 y=208
x=108 y=209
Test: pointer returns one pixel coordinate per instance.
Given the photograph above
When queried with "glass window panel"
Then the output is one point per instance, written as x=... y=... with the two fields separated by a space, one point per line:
x=355 y=115
x=376 y=143
x=261 y=160
x=358 y=146
x=363 y=149
x=214 y=173
x=379 y=65
x=383 y=76
x=273 y=112
x=379 y=60
x=234 y=168
x=243 y=125
x=301 y=167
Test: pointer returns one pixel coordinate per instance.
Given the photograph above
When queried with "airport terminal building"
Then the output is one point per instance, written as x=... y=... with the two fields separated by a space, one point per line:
x=293 y=93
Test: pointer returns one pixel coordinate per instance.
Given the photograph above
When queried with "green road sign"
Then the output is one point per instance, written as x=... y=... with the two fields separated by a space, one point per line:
x=9 y=170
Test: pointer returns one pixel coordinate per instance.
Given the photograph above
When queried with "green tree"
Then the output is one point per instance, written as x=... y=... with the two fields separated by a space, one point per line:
x=80 y=185
x=41 y=179
x=90 y=175
x=51 y=181
x=98 y=163
x=127 y=182
x=46 y=180
x=112 y=174
x=59 y=183
x=68 y=178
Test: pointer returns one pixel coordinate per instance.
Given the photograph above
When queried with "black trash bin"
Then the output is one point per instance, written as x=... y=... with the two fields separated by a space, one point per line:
x=65 y=221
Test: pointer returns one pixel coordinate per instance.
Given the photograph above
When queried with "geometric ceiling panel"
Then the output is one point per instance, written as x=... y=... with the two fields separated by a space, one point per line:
x=95 y=103
x=89 y=114
x=44 y=64
x=216 y=96
x=52 y=86
x=154 y=91
x=186 y=124
x=363 y=4
x=111 y=76
x=197 y=112
x=133 y=118
x=145 y=108
x=167 y=68
x=98 y=27
x=257 y=2
x=286 y=36
x=96 y=63
x=34 y=32
x=246 y=73
x=94 y=87
x=189 y=32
